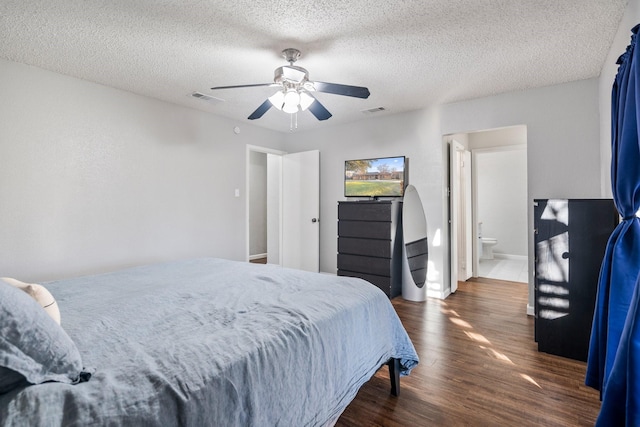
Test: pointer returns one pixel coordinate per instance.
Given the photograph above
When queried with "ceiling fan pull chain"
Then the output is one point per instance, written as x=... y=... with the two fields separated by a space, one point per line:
x=293 y=121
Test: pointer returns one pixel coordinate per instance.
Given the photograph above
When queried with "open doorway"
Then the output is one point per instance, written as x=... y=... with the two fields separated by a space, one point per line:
x=283 y=207
x=264 y=198
x=494 y=229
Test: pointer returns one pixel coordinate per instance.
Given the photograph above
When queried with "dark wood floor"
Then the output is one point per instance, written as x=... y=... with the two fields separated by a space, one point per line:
x=478 y=366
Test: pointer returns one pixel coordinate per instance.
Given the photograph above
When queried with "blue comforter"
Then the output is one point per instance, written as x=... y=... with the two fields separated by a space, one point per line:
x=213 y=342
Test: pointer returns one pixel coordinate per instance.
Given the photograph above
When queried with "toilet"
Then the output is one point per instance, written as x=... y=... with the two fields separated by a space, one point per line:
x=487 y=247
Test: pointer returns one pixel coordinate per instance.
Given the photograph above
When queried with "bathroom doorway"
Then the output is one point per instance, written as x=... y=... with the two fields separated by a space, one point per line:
x=499 y=205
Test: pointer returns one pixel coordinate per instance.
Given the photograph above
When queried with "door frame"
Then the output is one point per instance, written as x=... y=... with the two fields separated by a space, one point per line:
x=470 y=241
x=459 y=198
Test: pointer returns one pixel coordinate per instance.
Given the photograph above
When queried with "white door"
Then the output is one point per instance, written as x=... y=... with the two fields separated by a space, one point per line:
x=460 y=214
x=300 y=247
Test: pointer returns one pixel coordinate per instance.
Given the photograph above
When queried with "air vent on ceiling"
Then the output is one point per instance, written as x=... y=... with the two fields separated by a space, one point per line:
x=207 y=98
x=374 y=110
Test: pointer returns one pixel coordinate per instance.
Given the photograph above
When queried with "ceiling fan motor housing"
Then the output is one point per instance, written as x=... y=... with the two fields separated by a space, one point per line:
x=291 y=55
x=290 y=74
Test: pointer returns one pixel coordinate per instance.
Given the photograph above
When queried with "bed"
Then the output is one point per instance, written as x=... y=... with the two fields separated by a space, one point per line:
x=206 y=342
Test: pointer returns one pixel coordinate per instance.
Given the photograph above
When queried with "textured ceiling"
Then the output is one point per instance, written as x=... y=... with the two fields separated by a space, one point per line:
x=410 y=54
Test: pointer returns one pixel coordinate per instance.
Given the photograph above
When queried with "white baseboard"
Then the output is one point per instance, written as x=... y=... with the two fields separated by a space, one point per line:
x=438 y=294
x=509 y=256
x=531 y=311
x=257 y=256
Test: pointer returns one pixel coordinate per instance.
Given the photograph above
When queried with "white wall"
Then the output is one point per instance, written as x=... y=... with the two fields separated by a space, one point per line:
x=513 y=135
x=630 y=19
x=501 y=179
x=563 y=155
x=94 y=179
x=414 y=135
x=509 y=170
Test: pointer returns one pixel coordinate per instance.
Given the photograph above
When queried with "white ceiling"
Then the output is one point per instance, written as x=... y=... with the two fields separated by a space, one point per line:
x=410 y=54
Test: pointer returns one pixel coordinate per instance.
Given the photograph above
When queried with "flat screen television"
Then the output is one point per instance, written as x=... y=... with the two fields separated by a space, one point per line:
x=379 y=177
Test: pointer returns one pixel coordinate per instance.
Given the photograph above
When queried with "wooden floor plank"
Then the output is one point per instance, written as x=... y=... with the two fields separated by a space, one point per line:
x=479 y=365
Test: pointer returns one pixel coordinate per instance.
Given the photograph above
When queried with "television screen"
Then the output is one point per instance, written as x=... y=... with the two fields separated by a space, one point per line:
x=381 y=177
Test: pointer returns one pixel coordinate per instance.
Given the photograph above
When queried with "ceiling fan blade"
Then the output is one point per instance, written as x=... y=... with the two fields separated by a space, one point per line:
x=319 y=111
x=239 y=86
x=263 y=108
x=338 y=89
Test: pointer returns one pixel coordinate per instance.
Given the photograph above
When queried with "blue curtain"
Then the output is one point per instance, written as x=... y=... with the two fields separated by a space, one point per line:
x=613 y=366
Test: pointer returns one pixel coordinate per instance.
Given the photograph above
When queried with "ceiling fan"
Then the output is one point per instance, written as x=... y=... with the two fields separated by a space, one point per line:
x=295 y=93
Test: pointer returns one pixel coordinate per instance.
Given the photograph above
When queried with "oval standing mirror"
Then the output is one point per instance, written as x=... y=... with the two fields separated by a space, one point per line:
x=416 y=252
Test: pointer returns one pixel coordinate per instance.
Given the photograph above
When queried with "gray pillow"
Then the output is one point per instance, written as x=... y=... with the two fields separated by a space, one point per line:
x=33 y=346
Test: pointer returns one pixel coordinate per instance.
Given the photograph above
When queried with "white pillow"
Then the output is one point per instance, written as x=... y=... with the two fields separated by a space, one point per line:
x=33 y=348
x=40 y=294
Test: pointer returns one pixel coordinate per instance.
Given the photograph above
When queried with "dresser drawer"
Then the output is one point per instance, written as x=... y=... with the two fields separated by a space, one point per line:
x=365 y=211
x=365 y=264
x=382 y=282
x=367 y=244
x=366 y=229
x=367 y=247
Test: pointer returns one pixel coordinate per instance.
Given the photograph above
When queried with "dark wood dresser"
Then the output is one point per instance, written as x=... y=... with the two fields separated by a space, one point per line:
x=370 y=243
x=570 y=241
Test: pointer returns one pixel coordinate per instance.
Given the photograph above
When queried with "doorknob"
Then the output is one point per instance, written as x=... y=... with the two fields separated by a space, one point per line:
x=315 y=220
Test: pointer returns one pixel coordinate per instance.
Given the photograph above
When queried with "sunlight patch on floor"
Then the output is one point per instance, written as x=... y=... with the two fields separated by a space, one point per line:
x=531 y=380
x=461 y=322
x=484 y=343
x=500 y=356
x=477 y=337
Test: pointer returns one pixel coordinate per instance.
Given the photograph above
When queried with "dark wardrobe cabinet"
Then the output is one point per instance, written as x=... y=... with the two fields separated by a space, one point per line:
x=370 y=243
x=570 y=238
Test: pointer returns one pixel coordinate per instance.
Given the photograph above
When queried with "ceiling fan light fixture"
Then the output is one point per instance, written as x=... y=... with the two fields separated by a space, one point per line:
x=305 y=100
x=290 y=108
x=277 y=99
x=292 y=98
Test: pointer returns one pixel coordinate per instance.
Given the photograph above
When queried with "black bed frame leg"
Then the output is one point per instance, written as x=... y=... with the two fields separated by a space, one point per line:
x=394 y=374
